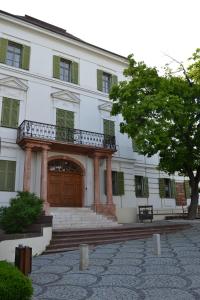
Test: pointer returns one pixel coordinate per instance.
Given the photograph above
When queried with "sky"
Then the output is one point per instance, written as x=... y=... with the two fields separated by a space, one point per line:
x=152 y=30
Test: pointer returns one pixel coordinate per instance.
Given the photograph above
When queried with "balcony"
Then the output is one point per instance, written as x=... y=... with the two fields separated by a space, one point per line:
x=57 y=135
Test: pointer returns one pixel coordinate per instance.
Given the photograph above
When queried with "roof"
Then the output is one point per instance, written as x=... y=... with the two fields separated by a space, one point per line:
x=57 y=30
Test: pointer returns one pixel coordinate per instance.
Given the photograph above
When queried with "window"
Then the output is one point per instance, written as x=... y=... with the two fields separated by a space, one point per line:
x=105 y=81
x=14 y=54
x=7 y=175
x=10 y=113
x=167 y=188
x=109 y=127
x=65 y=70
x=109 y=132
x=65 y=125
x=117 y=183
x=141 y=186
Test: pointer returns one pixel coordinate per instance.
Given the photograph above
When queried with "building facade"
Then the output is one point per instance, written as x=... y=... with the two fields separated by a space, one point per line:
x=58 y=138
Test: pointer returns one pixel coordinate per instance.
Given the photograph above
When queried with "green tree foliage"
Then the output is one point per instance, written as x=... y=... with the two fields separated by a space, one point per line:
x=194 y=68
x=14 y=285
x=22 y=212
x=162 y=115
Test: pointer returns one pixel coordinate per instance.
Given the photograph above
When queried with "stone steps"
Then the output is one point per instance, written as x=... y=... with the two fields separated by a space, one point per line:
x=71 y=217
x=71 y=239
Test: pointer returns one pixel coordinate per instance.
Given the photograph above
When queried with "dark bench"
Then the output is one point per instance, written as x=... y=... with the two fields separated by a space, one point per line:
x=145 y=212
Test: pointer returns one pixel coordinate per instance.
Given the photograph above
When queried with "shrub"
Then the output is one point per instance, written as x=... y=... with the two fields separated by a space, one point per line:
x=24 y=209
x=14 y=285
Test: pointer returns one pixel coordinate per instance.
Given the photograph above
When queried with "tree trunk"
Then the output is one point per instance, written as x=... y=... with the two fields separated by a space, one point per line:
x=192 y=210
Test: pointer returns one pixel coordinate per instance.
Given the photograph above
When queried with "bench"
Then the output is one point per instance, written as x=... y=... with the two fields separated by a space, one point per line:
x=145 y=212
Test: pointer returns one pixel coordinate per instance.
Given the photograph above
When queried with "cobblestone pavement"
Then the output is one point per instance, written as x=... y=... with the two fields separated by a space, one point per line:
x=123 y=271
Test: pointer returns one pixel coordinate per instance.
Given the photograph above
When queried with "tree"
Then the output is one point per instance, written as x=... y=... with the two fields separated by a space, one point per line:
x=162 y=115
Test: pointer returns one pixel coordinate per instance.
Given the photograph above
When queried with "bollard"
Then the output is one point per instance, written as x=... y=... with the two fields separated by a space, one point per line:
x=23 y=259
x=84 y=257
x=156 y=240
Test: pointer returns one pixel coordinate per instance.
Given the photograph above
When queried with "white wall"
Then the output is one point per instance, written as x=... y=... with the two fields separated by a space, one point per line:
x=37 y=103
x=38 y=245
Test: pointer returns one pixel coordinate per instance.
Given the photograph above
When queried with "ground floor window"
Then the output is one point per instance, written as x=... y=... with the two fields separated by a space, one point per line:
x=167 y=188
x=141 y=186
x=117 y=183
x=7 y=175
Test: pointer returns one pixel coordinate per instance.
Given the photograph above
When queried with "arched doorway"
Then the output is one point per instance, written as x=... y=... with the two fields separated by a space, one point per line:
x=65 y=183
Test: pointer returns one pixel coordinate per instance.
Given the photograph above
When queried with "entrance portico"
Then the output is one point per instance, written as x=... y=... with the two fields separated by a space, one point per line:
x=62 y=179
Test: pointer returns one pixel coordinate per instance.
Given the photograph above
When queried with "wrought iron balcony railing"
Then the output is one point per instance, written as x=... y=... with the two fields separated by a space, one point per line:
x=31 y=129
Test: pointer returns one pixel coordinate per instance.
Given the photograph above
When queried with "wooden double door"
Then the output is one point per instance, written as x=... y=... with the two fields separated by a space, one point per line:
x=65 y=189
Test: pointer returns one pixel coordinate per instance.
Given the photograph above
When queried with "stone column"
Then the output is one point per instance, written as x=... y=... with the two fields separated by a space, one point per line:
x=44 y=178
x=27 y=169
x=109 y=180
x=96 y=181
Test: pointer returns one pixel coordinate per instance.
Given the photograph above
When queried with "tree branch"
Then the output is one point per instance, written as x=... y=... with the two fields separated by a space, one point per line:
x=182 y=66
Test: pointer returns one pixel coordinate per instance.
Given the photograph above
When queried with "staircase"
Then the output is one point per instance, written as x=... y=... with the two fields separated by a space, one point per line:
x=71 y=239
x=76 y=217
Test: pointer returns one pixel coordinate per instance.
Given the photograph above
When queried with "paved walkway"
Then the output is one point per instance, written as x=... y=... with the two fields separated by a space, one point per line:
x=123 y=271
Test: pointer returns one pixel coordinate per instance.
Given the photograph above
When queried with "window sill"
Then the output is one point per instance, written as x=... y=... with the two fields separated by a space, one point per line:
x=9 y=127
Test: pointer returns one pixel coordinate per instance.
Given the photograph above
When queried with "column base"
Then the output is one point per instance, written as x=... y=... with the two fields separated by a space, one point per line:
x=46 y=208
x=105 y=209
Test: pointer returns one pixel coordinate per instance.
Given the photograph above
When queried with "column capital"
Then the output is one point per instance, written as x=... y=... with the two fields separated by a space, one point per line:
x=45 y=147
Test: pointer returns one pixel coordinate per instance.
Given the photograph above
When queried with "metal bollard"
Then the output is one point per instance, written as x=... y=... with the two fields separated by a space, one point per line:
x=84 y=257
x=23 y=259
x=156 y=240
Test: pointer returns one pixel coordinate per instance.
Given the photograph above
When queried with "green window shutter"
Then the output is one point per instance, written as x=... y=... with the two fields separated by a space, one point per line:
x=100 y=80
x=114 y=80
x=10 y=112
x=112 y=128
x=25 y=57
x=106 y=127
x=187 y=189
x=64 y=118
x=64 y=121
x=3 y=50
x=7 y=175
x=162 y=187
x=56 y=67
x=74 y=72
x=5 y=113
x=2 y=175
x=136 y=185
x=69 y=119
x=120 y=183
x=11 y=170
x=146 y=187
x=105 y=185
x=14 y=116
x=173 y=188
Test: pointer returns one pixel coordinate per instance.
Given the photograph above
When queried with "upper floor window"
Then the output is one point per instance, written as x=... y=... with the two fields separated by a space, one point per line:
x=108 y=127
x=167 y=188
x=65 y=70
x=10 y=112
x=105 y=81
x=14 y=54
x=141 y=186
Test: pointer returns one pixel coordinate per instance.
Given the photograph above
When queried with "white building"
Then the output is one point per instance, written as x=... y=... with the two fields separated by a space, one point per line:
x=57 y=134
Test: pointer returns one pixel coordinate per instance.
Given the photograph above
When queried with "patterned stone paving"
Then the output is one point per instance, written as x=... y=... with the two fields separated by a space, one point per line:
x=123 y=271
